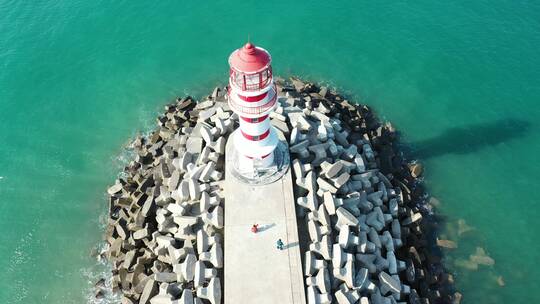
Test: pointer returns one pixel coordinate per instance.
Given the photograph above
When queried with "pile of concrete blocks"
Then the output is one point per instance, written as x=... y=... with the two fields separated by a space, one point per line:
x=166 y=210
x=358 y=219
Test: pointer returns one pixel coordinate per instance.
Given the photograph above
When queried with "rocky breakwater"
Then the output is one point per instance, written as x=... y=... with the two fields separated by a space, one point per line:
x=360 y=202
x=363 y=221
x=166 y=210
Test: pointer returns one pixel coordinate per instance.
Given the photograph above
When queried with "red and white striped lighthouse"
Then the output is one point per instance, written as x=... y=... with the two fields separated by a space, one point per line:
x=252 y=95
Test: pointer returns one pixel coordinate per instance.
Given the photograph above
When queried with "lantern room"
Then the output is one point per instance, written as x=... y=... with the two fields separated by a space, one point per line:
x=250 y=68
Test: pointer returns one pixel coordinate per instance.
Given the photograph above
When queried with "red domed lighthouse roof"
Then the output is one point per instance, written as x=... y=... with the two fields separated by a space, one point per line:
x=249 y=59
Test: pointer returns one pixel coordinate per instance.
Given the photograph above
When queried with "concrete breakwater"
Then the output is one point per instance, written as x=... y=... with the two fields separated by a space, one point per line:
x=359 y=206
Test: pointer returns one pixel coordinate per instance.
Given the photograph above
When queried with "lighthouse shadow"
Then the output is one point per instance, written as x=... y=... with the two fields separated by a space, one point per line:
x=470 y=138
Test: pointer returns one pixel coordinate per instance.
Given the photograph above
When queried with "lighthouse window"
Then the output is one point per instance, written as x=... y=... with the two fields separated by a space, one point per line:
x=252 y=81
x=237 y=78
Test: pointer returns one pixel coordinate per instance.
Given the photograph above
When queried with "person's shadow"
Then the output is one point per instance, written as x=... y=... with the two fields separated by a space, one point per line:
x=471 y=138
x=265 y=227
x=290 y=245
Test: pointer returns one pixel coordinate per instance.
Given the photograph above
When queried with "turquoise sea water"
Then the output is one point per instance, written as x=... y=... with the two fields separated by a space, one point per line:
x=459 y=79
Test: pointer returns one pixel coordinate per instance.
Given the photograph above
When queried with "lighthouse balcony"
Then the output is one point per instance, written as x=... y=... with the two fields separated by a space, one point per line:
x=251 y=82
x=254 y=110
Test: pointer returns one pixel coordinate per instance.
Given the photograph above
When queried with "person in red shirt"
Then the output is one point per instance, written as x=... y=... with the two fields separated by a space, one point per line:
x=255 y=228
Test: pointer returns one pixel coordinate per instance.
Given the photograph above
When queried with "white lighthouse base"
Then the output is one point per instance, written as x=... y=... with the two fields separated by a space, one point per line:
x=257 y=171
x=247 y=164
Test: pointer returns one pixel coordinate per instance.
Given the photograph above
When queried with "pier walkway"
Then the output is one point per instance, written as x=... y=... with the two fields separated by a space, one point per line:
x=255 y=270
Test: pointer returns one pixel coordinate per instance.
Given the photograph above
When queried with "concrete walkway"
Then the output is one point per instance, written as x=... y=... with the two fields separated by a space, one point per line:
x=255 y=271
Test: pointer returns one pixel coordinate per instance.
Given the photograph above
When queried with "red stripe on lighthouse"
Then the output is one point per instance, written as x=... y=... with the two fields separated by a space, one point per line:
x=254 y=120
x=257 y=137
x=253 y=98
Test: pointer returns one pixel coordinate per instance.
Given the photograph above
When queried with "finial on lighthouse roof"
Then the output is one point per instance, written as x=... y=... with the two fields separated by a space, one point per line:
x=249 y=59
x=249 y=48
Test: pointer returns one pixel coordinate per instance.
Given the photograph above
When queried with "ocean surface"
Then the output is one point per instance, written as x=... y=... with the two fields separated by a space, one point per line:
x=78 y=79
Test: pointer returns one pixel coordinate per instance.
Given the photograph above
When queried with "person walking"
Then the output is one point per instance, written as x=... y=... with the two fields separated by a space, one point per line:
x=255 y=228
x=279 y=244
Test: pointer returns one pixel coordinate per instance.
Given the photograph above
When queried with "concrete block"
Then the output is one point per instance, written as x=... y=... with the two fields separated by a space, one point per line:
x=309 y=201
x=339 y=256
x=202 y=273
x=214 y=218
x=374 y=237
x=300 y=170
x=203 y=157
x=380 y=262
x=415 y=217
x=165 y=277
x=187 y=297
x=389 y=283
x=326 y=185
x=341 y=138
x=212 y=292
x=392 y=262
x=345 y=274
x=115 y=189
x=163 y=241
x=360 y=163
x=214 y=256
x=365 y=246
x=205 y=104
x=345 y=218
x=312 y=264
x=331 y=203
x=314 y=297
x=346 y=239
x=387 y=241
x=141 y=233
x=350 y=152
x=185 y=271
x=346 y=296
x=194 y=189
x=219 y=145
x=204 y=202
x=204 y=241
x=185 y=220
x=331 y=170
x=376 y=198
x=341 y=180
x=362 y=282
x=176 y=209
x=194 y=145
x=322 y=133
x=367 y=261
x=321 y=281
x=320 y=153
x=302 y=124
x=206 y=174
x=322 y=248
x=162 y=299
x=299 y=147
x=296 y=136
x=368 y=152
x=182 y=193
x=393 y=207
x=321 y=215
x=150 y=290
x=176 y=254
x=316 y=231
x=308 y=183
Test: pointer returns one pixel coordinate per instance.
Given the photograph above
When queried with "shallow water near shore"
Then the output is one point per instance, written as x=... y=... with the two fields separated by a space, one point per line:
x=78 y=79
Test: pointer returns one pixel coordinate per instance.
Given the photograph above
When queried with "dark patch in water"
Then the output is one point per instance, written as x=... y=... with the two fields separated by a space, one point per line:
x=471 y=138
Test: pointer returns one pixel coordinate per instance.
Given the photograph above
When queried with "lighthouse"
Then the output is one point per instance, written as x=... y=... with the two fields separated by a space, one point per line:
x=252 y=96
